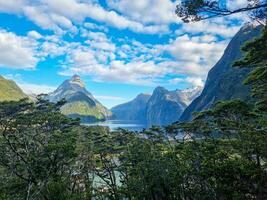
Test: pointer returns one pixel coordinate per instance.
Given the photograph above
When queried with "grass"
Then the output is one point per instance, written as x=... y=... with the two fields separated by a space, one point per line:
x=9 y=91
x=83 y=109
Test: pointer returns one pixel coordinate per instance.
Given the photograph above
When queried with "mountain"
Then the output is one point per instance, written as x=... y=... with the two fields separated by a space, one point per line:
x=161 y=108
x=80 y=102
x=9 y=91
x=224 y=82
x=188 y=95
x=133 y=110
x=165 y=107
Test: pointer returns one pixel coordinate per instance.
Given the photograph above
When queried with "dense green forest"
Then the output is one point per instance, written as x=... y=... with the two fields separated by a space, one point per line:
x=222 y=154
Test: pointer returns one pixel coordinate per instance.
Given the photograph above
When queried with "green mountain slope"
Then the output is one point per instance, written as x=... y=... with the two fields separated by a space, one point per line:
x=165 y=107
x=225 y=82
x=80 y=102
x=9 y=91
x=161 y=108
x=132 y=110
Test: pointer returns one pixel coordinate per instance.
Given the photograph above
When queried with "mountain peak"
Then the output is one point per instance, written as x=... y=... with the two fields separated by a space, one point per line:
x=75 y=76
x=141 y=95
x=194 y=89
x=249 y=26
x=79 y=101
x=160 y=89
x=75 y=79
x=225 y=82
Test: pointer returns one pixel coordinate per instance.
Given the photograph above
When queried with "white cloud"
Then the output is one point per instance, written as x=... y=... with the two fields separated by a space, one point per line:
x=98 y=36
x=196 y=49
x=214 y=27
x=63 y=22
x=38 y=16
x=34 y=35
x=142 y=73
x=235 y=4
x=194 y=55
x=95 y=26
x=194 y=81
x=16 y=51
x=64 y=15
x=145 y=64
x=98 y=40
x=130 y=61
x=112 y=98
x=30 y=88
x=146 y=16
x=12 y=6
x=86 y=61
x=41 y=16
x=147 y=11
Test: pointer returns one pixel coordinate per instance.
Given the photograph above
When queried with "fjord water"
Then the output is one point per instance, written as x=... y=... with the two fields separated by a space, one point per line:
x=131 y=125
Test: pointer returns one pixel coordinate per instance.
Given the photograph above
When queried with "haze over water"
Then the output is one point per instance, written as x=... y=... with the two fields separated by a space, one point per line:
x=125 y=124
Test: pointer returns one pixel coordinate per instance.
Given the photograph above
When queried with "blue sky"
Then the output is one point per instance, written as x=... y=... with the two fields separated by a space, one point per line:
x=119 y=47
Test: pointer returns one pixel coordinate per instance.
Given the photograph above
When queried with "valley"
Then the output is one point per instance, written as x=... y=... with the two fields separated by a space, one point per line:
x=160 y=108
x=133 y=100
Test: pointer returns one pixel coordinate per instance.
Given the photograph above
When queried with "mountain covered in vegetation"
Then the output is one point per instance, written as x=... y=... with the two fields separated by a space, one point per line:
x=161 y=108
x=165 y=107
x=133 y=110
x=9 y=91
x=79 y=102
x=225 y=82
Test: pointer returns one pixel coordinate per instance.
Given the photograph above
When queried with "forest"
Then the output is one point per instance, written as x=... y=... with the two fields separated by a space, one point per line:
x=220 y=154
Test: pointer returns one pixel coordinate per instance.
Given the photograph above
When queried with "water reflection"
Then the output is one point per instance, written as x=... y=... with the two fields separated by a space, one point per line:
x=125 y=124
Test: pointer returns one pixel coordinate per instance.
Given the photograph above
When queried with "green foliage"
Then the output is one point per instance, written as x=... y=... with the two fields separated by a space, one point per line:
x=221 y=154
x=197 y=10
x=9 y=91
x=45 y=155
x=82 y=109
x=37 y=145
x=256 y=58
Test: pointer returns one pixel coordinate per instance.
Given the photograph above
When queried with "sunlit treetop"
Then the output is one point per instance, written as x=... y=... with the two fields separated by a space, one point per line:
x=197 y=10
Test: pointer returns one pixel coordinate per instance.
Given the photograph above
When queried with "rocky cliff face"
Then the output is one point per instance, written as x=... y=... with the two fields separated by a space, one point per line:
x=165 y=107
x=161 y=108
x=225 y=82
x=9 y=91
x=133 y=110
x=80 y=102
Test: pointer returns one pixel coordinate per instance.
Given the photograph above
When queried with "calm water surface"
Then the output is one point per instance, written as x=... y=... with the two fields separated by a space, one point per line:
x=125 y=124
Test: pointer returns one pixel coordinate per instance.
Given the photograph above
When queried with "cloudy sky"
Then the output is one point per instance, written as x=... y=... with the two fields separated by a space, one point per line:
x=119 y=47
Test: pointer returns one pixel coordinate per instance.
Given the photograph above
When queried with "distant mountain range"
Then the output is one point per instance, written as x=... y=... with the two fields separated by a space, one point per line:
x=9 y=91
x=165 y=107
x=80 y=102
x=133 y=110
x=225 y=82
x=161 y=108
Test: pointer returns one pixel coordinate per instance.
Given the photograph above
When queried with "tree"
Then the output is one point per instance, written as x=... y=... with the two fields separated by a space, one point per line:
x=37 y=148
x=197 y=10
x=228 y=162
x=256 y=58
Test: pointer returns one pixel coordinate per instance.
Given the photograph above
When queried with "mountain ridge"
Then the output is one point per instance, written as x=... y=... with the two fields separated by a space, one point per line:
x=80 y=103
x=160 y=108
x=137 y=113
x=225 y=82
x=165 y=107
x=10 y=91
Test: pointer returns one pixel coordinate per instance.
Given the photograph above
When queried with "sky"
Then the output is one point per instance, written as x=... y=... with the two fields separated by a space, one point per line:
x=120 y=48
